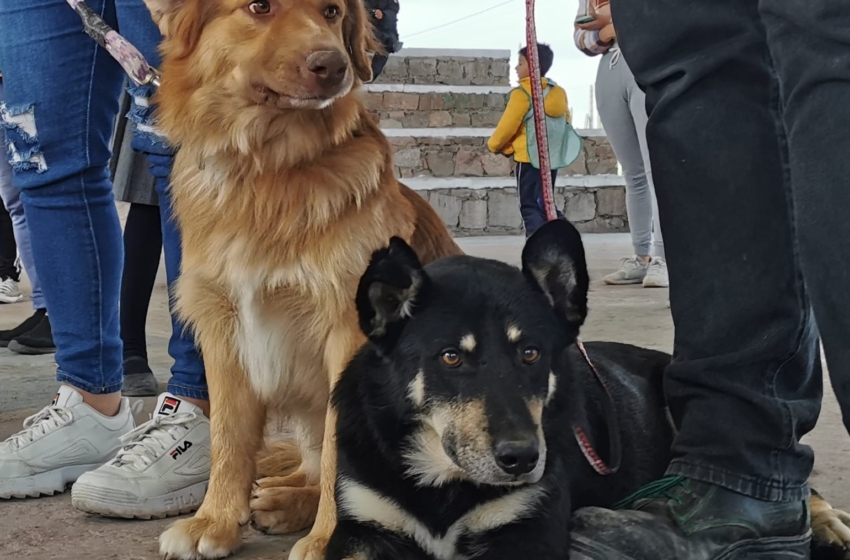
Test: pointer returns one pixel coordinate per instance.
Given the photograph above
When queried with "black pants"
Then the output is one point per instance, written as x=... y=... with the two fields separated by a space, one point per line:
x=378 y=63
x=8 y=247
x=529 y=184
x=142 y=249
x=748 y=137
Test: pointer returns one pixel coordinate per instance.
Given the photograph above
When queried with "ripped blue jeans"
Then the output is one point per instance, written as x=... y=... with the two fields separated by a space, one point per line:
x=62 y=94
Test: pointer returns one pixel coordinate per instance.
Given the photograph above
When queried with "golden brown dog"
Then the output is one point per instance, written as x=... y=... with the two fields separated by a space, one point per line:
x=283 y=187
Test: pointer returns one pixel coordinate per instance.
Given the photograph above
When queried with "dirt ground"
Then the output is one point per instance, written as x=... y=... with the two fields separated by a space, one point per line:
x=49 y=528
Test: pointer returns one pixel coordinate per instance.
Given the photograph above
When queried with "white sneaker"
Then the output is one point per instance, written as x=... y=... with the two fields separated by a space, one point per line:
x=9 y=292
x=57 y=445
x=656 y=274
x=162 y=470
x=632 y=271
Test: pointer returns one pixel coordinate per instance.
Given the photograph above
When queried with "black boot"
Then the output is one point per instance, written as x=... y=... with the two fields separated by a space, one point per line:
x=682 y=519
x=29 y=324
x=138 y=378
x=37 y=341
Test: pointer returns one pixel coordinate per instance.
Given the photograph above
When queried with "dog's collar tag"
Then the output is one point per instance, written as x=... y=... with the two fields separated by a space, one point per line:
x=593 y=458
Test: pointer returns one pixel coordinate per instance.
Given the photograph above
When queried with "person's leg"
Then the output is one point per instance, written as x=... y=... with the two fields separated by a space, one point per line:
x=170 y=485
x=745 y=382
x=61 y=98
x=656 y=272
x=143 y=247
x=530 y=189
x=615 y=113
x=378 y=63
x=9 y=272
x=816 y=90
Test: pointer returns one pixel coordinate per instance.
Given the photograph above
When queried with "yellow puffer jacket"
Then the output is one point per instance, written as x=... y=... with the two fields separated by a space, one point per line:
x=510 y=137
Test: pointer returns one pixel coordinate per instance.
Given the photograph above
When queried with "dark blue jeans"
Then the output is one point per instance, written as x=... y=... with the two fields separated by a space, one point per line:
x=62 y=97
x=748 y=139
x=529 y=182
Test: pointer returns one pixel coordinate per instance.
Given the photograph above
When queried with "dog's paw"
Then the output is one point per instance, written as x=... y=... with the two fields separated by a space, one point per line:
x=199 y=538
x=831 y=526
x=298 y=479
x=281 y=510
x=311 y=547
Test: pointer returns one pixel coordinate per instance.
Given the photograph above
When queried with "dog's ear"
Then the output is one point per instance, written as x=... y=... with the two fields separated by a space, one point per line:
x=553 y=261
x=389 y=290
x=359 y=39
x=180 y=22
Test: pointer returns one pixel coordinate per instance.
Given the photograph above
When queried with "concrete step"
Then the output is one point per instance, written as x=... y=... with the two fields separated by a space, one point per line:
x=436 y=106
x=462 y=152
x=489 y=205
x=456 y=67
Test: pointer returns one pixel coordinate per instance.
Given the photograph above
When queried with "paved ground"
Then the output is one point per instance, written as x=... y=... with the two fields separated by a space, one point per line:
x=50 y=528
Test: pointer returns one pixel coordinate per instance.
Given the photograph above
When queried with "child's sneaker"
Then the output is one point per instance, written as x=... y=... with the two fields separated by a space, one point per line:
x=656 y=274
x=57 y=445
x=9 y=292
x=162 y=470
x=632 y=271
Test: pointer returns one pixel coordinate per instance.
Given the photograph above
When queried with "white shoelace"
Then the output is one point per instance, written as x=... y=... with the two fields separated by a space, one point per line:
x=150 y=440
x=47 y=420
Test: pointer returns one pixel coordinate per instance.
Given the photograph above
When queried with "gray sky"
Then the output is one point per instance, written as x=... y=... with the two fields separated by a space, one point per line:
x=503 y=27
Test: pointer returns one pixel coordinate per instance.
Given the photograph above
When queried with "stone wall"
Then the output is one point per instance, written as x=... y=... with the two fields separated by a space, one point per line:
x=436 y=110
x=468 y=156
x=442 y=67
x=469 y=212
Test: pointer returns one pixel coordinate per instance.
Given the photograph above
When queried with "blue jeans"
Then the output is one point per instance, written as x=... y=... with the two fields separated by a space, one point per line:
x=62 y=97
x=11 y=199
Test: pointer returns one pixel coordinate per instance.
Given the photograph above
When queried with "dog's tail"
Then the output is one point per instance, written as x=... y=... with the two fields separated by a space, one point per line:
x=278 y=458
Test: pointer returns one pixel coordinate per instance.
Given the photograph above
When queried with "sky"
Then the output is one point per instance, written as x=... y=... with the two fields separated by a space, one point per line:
x=503 y=27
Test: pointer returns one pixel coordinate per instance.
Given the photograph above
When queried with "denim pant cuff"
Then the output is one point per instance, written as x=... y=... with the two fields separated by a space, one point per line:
x=189 y=392
x=754 y=487
x=83 y=385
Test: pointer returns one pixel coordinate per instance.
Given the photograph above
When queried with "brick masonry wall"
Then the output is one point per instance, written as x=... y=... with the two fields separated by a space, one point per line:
x=455 y=71
x=469 y=157
x=469 y=212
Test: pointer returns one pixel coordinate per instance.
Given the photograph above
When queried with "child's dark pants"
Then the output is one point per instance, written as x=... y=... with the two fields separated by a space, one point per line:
x=530 y=186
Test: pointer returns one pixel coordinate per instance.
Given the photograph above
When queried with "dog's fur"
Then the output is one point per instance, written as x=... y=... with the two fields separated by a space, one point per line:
x=283 y=187
x=418 y=438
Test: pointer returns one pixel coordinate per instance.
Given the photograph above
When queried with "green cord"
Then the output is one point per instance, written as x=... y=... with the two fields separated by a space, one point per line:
x=651 y=491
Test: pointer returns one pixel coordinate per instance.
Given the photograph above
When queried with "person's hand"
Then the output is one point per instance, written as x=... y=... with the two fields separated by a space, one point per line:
x=379 y=14
x=608 y=33
x=602 y=15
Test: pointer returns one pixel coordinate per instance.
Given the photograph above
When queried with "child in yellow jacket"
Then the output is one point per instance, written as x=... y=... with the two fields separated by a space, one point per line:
x=510 y=135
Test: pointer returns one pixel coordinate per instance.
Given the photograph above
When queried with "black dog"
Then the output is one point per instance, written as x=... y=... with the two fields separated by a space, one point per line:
x=464 y=424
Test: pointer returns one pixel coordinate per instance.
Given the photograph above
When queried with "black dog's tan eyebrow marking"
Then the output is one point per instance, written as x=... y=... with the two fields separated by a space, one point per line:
x=468 y=343
x=514 y=333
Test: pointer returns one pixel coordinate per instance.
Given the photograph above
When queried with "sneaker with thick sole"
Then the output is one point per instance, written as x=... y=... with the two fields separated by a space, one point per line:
x=656 y=274
x=57 y=445
x=29 y=324
x=36 y=342
x=162 y=470
x=9 y=292
x=682 y=519
x=632 y=271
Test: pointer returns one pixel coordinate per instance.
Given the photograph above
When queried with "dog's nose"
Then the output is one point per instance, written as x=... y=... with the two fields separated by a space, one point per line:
x=517 y=457
x=327 y=67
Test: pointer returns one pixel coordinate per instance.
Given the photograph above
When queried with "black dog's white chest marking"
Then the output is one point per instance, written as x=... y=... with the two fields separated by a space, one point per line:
x=367 y=506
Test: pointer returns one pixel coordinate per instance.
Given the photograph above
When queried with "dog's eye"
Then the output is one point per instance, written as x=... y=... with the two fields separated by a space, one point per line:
x=331 y=12
x=451 y=358
x=530 y=355
x=260 y=8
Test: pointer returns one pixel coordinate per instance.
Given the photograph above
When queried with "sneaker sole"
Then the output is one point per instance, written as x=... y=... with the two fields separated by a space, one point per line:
x=43 y=484
x=13 y=299
x=115 y=503
x=622 y=282
x=652 y=284
x=19 y=348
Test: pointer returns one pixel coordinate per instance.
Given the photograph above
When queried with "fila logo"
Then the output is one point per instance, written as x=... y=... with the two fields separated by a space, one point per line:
x=169 y=406
x=180 y=449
